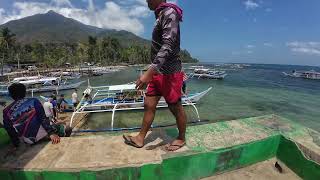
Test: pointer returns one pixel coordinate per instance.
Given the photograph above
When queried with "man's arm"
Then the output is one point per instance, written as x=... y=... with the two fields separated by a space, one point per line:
x=11 y=131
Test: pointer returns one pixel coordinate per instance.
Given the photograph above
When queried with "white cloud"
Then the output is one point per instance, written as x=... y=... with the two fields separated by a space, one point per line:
x=142 y=11
x=1 y=13
x=62 y=3
x=120 y=15
x=268 y=10
x=310 y=48
x=251 y=5
x=255 y=20
x=249 y=46
x=268 y=44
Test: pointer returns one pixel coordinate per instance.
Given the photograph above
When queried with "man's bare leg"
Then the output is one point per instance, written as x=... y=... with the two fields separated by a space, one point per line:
x=150 y=105
x=181 y=119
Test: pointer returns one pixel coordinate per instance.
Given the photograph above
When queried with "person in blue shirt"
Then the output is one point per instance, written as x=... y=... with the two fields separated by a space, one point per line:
x=25 y=120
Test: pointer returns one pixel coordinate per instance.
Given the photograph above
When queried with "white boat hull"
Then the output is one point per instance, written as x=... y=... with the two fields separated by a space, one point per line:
x=48 y=88
x=209 y=76
x=109 y=107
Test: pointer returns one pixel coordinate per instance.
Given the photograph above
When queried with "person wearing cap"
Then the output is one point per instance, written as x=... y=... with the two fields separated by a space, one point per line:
x=164 y=76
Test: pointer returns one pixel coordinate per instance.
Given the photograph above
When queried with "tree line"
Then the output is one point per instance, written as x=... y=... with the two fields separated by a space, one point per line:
x=104 y=51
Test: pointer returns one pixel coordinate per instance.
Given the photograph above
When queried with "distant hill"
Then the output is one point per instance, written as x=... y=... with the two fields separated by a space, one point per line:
x=55 y=28
x=52 y=27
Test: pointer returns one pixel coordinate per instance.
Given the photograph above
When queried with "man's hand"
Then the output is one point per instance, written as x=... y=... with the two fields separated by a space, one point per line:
x=55 y=139
x=145 y=78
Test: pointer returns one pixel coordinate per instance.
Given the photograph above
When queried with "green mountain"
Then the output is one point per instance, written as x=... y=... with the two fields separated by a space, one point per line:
x=55 y=28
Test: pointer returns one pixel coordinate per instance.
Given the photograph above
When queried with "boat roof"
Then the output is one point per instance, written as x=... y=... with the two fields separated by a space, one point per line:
x=42 y=80
x=122 y=87
x=312 y=72
x=26 y=78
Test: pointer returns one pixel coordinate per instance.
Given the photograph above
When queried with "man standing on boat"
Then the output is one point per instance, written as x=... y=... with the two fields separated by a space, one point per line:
x=164 y=76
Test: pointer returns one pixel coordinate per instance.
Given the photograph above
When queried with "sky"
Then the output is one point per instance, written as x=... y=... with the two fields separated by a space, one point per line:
x=239 y=31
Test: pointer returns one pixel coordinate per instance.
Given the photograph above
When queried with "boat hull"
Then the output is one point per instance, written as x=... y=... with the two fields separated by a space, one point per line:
x=48 y=88
x=110 y=104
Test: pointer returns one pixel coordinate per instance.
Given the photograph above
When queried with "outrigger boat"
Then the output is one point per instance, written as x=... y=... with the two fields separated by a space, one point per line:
x=208 y=74
x=66 y=75
x=123 y=98
x=304 y=74
x=36 y=84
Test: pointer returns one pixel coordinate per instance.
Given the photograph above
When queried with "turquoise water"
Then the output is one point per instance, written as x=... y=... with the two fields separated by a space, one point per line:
x=253 y=91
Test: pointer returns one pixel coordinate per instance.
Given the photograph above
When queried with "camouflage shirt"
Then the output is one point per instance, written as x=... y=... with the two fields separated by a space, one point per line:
x=165 y=47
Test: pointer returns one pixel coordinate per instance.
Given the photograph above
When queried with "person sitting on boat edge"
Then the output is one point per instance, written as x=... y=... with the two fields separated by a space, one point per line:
x=61 y=103
x=88 y=98
x=25 y=120
x=164 y=76
x=75 y=99
x=55 y=106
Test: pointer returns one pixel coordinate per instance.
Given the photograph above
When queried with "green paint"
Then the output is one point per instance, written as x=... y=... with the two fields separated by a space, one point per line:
x=289 y=153
x=27 y=175
x=187 y=167
x=128 y=173
x=260 y=150
x=51 y=175
x=4 y=138
x=5 y=175
x=87 y=175
x=229 y=159
x=203 y=160
x=151 y=171
x=209 y=163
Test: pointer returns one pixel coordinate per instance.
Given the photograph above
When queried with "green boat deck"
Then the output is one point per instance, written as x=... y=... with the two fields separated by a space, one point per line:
x=211 y=149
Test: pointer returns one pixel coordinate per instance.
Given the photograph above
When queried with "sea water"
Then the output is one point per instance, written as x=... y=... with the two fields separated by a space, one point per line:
x=252 y=91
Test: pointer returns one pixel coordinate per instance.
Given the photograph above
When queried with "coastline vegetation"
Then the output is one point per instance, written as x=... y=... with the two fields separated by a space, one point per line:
x=101 y=51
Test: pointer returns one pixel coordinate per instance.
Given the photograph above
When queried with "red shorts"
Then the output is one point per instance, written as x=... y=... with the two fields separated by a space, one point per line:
x=166 y=85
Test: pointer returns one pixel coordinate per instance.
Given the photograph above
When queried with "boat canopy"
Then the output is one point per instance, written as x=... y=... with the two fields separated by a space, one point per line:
x=122 y=87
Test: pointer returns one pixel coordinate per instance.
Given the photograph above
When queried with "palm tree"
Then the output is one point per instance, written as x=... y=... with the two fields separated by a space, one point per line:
x=7 y=41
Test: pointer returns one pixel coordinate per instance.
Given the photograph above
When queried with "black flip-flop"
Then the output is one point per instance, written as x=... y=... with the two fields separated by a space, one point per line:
x=128 y=141
x=175 y=145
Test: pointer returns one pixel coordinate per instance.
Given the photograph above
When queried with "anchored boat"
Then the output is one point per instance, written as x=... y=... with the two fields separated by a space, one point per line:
x=122 y=98
x=312 y=74
x=208 y=74
x=41 y=84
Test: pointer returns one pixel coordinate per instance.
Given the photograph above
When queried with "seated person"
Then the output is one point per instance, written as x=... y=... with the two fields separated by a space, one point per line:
x=62 y=103
x=88 y=98
x=25 y=120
